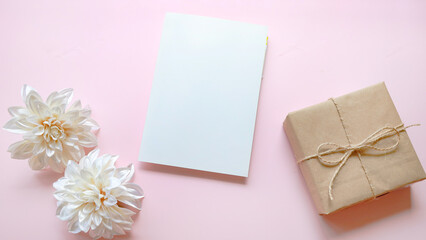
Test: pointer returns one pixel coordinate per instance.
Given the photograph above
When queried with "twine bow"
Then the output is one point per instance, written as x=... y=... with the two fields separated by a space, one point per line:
x=370 y=142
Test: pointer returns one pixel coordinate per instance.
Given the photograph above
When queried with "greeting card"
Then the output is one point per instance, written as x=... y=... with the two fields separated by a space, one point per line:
x=203 y=103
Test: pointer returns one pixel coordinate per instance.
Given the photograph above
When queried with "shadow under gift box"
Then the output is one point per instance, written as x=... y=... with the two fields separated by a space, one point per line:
x=346 y=121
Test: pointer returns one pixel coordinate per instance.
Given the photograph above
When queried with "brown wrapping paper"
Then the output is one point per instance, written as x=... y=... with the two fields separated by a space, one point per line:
x=362 y=112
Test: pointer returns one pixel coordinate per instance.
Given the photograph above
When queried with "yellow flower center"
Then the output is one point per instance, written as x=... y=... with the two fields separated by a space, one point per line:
x=102 y=193
x=53 y=129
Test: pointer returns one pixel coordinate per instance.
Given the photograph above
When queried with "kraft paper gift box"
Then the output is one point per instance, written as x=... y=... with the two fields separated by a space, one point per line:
x=352 y=148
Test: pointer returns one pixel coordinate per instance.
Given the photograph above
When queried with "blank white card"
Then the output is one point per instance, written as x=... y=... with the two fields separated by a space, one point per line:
x=203 y=103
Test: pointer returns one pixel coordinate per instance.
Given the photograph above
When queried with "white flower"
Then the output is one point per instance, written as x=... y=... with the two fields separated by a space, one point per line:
x=52 y=134
x=92 y=193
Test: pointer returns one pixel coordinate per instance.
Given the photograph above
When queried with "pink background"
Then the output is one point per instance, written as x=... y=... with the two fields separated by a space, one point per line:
x=106 y=51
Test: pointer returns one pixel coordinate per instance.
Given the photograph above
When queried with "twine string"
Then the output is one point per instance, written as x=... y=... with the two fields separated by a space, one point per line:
x=370 y=142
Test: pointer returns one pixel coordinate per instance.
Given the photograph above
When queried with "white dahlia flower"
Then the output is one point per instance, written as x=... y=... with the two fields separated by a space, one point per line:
x=52 y=134
x=92 y=195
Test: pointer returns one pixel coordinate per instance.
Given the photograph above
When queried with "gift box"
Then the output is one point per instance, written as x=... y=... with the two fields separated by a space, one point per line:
x=352 y=148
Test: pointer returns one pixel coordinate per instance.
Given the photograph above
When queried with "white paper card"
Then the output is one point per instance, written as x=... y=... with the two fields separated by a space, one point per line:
x=203 y=103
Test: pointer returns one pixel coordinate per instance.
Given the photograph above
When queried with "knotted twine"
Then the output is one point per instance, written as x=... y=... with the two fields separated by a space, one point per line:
x=369 y=142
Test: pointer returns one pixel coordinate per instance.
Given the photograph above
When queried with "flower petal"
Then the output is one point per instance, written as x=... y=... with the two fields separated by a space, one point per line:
x=49 y=151
x=38 y=162
x=111 y=201
x=108 y=224
x=50 y=98
x=71 y=139
x=92 y=124
x=113 y=183
x=72 y=170
x=125 y=174
x=93 y=154
x=56 y=146
x=59 y=100
x=55 y=163
x=75 y=106
x=60 y=183
x=26 y=90
x=18 y=111
x=67 y=93
x=38 y=130
x=85 y=112
x=87 y=139
x=97 y=233
x=89 y=208
x=136 y=203
x=39 y=108
x=134 y=189
x=39 y=148
x=71 y=116
x=67 y=212
x=97 y=219
x=73 y=226
x=107 y=161
x=13 y=127
x=74 y=153
x=117 y=229
x=21 y=150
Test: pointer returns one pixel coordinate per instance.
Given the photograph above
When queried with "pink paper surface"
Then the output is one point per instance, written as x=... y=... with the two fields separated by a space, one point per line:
x=106 y=51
